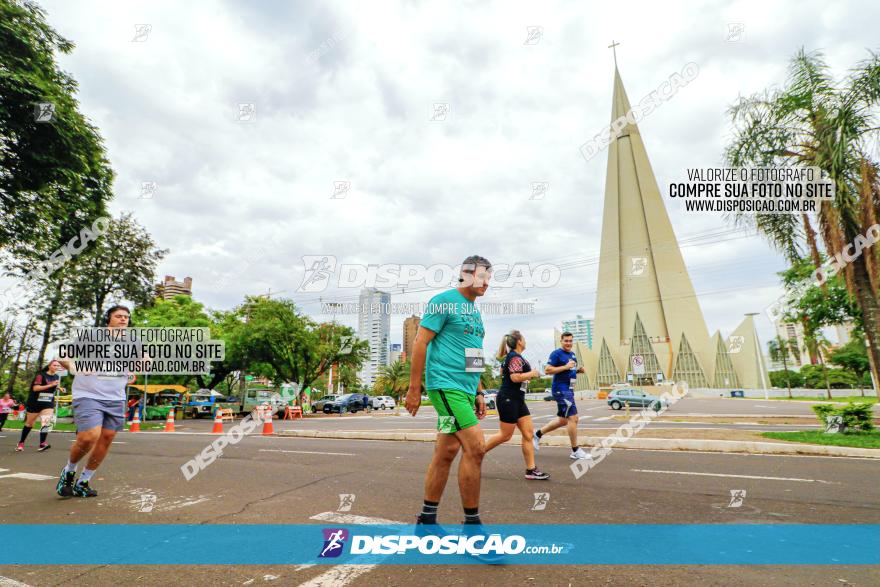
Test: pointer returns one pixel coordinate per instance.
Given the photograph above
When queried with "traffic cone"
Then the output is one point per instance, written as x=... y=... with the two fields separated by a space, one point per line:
x=135 y=423
x=267 y=423
x=169 y=421
x=218 y=423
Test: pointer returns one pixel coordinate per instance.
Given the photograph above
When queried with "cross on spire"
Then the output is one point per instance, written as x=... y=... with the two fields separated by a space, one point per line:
x=613 y=47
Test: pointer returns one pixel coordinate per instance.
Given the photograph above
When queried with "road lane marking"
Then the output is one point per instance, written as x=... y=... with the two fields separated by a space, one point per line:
x=343 y=574
x=736 y=476
x=29 y=476
x=7 y=582
x=338 y=576
x=340 y=518
x=310 y=452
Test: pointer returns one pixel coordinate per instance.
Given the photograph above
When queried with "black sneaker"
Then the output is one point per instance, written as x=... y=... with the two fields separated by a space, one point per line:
x=44 y=447
x=537 y=474
x=82 y=489
x=65 y=483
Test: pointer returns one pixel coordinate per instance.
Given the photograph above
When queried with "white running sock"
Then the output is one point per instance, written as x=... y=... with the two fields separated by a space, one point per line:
x=70 y=467
x=86 y=475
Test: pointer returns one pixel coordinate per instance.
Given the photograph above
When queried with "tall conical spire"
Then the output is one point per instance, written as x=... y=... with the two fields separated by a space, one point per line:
x=641 y=269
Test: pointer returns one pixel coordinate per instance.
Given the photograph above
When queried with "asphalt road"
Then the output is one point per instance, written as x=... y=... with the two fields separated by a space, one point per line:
x=291 y=480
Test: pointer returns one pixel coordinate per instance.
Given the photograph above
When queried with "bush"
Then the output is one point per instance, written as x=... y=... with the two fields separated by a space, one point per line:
x=837 y=378
x=856 y=415
x=778 y=379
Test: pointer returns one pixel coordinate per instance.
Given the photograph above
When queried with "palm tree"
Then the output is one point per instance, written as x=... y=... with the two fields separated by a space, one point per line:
x=393 y=379
x=819 y=346
x=815 y=121
x=780 y=349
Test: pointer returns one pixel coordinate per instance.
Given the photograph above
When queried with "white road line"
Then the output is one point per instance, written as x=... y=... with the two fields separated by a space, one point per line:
x=29 y=476
x=338 y=576
x=343 y=574
x=340 y=518
x=7 y=582
x=310 y=452
x=604 y=418
x=736 y=476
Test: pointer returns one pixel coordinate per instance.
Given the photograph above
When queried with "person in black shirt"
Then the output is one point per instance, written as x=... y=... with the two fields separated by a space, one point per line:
x=41 y=403
x=511 y=401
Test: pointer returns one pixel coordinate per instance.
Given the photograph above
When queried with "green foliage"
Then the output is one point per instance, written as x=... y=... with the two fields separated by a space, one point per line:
x=53 y=172
x=786 y=378
x=853 y=358
x=856 y=415
x=837 y=378
x=393 y=379
x=121 y=264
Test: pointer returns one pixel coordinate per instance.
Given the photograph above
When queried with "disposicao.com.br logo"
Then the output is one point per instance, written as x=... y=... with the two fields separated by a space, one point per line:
x=319 y=271
x=448 y=544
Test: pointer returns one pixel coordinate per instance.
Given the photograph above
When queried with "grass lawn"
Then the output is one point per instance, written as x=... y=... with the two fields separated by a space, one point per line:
x=69 y=427
x=871 y=399
x=858 y=439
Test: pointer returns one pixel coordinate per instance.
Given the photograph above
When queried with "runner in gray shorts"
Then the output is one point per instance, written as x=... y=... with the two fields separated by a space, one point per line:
x=89 y=413
x=99 y=413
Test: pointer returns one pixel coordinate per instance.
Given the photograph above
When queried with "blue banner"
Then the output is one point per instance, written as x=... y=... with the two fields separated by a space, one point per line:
x=557 y=544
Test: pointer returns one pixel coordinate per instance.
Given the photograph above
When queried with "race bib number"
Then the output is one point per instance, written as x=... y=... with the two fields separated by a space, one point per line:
x=524 y=386
x=45 y=397
x=473 y=360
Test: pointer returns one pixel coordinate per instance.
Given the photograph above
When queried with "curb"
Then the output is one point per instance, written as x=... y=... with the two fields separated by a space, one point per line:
x=682 y=444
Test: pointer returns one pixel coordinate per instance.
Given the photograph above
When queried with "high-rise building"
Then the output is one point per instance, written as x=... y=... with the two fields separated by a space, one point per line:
x=649 y=325
x=410 y=329
x=792 y=334
x=396 y=353
x=581 y=329
x=170 y=288
x=374 y=326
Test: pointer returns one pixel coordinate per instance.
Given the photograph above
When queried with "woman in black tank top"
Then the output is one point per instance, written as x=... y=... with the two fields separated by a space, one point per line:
x=511 y=401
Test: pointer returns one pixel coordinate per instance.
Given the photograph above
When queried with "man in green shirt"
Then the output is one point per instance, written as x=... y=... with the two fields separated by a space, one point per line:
x=449 y=349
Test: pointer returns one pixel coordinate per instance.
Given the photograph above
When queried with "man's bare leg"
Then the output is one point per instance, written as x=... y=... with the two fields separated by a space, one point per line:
x=472 y=448
x=445 y=449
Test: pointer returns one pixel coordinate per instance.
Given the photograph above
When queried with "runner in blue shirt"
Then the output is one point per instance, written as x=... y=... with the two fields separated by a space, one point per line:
x=562 y=364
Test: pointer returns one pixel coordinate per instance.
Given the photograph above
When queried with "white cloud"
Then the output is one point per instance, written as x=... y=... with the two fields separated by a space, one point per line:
x=343 y=92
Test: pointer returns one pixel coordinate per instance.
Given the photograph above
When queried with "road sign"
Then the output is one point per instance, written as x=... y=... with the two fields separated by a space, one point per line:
x=638 y=362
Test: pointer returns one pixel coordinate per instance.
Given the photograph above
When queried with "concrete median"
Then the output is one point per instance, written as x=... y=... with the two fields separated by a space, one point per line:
x=682 y=444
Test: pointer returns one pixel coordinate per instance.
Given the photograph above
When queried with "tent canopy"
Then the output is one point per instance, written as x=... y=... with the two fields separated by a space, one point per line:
x=160 y=387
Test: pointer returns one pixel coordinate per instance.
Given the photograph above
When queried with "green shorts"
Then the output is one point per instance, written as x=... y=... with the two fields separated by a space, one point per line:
x=455 y=409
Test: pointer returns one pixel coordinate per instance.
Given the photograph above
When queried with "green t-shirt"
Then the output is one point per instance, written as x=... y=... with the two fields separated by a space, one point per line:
x=455 y=355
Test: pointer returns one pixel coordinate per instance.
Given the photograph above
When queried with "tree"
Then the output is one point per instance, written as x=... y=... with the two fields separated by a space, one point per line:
x=815 y=121
x=853 y=358
x=780 y=349
x=53 y=166
x=818 y=345
x=296 y=348
x=121 y=264
x=786 y=378
x=393 y=379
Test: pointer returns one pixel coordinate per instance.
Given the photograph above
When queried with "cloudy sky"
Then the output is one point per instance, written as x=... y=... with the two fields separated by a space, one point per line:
x=345 y=92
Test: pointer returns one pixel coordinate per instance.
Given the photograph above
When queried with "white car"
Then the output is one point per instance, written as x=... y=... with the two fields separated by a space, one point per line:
x=380 y=402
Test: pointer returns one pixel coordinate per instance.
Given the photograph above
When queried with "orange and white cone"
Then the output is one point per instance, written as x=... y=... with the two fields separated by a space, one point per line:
x=218 y=423
x=135 y=423
x=268 y=430
x=169 y=421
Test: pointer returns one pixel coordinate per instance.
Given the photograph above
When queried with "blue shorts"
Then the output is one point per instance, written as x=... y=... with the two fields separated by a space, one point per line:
x=90 y=413
x=565 y=403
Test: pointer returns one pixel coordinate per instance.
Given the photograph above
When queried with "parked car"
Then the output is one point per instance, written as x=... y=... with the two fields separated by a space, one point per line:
x=366 y=401
x=636 y=398
x=381 y=402
x=318 y=405
x=350 y=402
x=491 y=398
